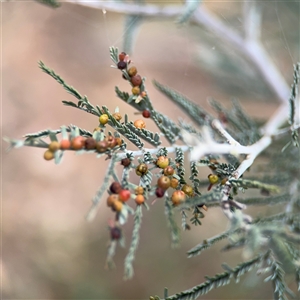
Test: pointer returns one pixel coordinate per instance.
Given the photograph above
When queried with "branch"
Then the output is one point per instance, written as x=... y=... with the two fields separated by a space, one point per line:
x=132 y=9
x=219 y=279
x=209 y=242
x=252 y=20
x=134 y=243
x=97 y=199
x=175 y=231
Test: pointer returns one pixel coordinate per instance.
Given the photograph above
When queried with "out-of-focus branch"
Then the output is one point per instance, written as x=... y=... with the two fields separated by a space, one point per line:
x=208 y=145
x=252 y=20
x=250 y=47
x=133 y=9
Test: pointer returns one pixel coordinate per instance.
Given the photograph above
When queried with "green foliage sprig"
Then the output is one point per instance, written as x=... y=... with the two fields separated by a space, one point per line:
x=174 y=228
x=190 y=8
x=50 y=3
x=292 y=102
x=195 y=112
x=223 y=148
x=219 y=280
x=134 y=243
x=210 y=242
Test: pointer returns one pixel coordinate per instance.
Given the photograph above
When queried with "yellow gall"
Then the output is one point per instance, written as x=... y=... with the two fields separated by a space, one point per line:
x=103 y=119
x=48 y=155
x=213 y=178
x=188 y=190
x=132 y=71
x=135 y=90
x=117 y=206
x=162 y=162
x=54 y=146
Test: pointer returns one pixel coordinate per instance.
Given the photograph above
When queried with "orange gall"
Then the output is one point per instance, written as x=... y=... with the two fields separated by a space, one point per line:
x=65 y=144
x=139 y=190
x=174 y=183
x=140 y=124
x=139 y=199
x=111 y=199
x=117 y=116
x=178 y=197
x=77 y=142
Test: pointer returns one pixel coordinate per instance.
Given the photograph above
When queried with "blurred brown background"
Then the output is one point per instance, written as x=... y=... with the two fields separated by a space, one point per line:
x=49 y=250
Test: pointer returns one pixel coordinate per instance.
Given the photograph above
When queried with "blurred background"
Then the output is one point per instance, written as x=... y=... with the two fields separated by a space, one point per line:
x=49 y=251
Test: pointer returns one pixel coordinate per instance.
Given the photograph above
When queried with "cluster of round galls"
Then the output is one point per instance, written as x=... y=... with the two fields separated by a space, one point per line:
x=168 y=180
x=135 y=78
x=164 y=182
x=140 y=124
x=136 y=81
x=80 y=142
x=122 y=64
x=103 y=119
x=52 y=148
x=119 y=196
x=139 y=198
